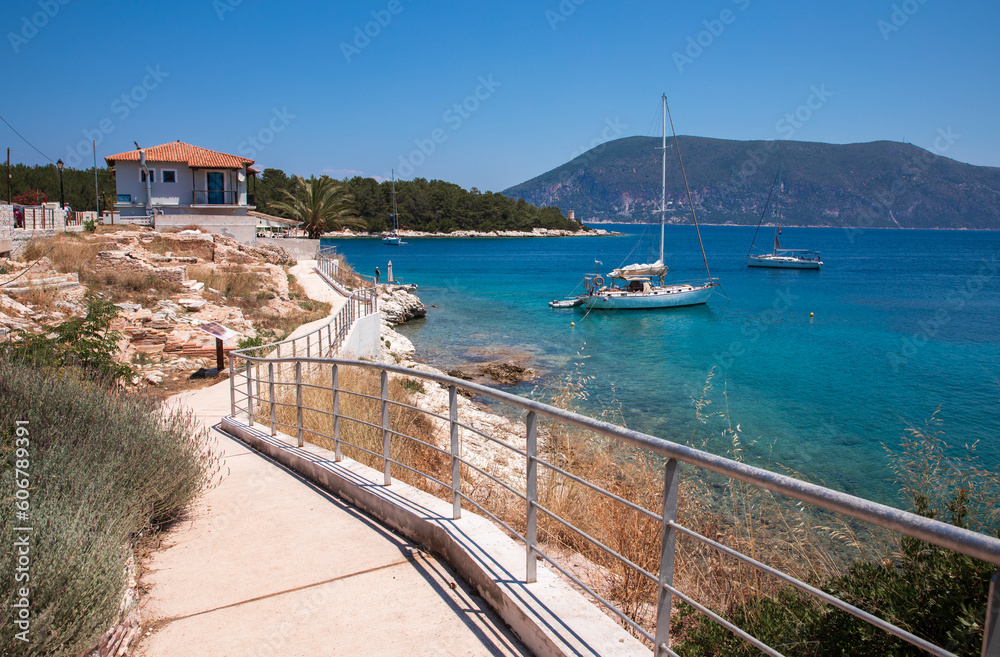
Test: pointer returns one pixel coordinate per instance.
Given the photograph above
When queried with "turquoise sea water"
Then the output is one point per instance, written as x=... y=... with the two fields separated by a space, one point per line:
x=904 y=322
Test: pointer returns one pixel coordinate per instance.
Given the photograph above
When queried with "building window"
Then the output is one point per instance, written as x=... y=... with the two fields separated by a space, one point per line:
x=142 y=175
x=168 y=176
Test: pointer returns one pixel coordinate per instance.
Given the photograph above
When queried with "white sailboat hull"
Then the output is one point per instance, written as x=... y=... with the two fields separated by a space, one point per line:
x=782 y=262
x=668 y=296
x=639 y=291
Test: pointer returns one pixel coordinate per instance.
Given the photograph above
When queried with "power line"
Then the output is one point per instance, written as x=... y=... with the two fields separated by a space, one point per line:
x=26 y=141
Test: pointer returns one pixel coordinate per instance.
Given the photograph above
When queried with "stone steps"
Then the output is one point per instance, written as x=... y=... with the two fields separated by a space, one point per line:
x=23 y=285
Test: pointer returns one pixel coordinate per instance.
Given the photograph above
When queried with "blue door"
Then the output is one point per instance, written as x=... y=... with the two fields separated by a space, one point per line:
x=216 y=185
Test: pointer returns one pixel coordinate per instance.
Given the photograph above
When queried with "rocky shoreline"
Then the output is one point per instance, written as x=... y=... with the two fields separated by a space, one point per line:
x=397 y=349
x=398 y=304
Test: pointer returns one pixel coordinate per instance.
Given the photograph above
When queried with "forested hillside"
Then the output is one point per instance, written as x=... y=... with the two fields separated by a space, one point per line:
x=883 y=183
x=442 y=207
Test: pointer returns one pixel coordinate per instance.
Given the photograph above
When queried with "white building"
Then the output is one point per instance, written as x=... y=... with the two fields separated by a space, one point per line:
x=178 y=184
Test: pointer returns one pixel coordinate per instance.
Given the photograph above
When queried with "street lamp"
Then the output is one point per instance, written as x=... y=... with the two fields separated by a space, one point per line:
x=59 y=165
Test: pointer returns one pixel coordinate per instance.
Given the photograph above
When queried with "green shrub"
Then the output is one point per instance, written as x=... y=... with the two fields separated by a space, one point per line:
x=247 y=343
x=104 y=468
x=934 y=593
x=86 y=343
x=414 y=385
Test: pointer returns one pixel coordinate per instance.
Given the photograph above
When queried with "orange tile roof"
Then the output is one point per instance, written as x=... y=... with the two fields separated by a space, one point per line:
x=178 y=151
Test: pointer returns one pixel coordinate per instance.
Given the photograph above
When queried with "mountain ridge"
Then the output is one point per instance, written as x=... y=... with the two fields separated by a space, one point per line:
x=871 y=184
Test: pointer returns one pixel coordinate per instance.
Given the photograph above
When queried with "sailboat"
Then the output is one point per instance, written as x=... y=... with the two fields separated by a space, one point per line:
x=778 y=257
x=392 y=237
x=642 y=284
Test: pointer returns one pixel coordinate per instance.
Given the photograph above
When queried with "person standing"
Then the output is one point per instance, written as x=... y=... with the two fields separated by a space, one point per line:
x=378 y=276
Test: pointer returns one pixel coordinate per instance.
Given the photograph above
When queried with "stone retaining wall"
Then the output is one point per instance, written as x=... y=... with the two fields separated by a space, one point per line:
x=13 y=240
x=6 y=228
x=298 y=248
x=121 y=261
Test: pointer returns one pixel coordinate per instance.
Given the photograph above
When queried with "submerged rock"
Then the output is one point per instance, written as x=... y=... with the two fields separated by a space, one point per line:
x=507 y=372
x=459 y=374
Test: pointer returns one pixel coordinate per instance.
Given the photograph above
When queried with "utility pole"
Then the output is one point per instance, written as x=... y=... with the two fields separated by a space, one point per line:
x=8 y=175
x=97 y=193
x=62 y=199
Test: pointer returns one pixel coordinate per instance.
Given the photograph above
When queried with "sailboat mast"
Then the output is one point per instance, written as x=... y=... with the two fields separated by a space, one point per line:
x=687 y=187
x=395 y=221
x=663 y=188
x=764 y=209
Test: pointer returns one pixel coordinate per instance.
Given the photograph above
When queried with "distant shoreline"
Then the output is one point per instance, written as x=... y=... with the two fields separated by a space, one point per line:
x=639 y=223
x=537 y=232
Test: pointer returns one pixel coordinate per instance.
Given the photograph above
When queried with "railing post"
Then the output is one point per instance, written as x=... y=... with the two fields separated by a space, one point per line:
x=298 y=400
x=991 y=633
x=336 y=413
x=665 y=598
x=386 y=475
x=232 y=387
x=308 y=345
x=456 y=465
x=274 y=404
x=249 y=395
x=531 y=498
x=329 y=340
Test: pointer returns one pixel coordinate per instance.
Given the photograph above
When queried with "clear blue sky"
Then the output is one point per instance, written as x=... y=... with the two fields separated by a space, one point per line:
x=552 y=77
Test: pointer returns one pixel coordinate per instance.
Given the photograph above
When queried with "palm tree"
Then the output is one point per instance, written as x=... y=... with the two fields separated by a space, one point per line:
x=321 y=204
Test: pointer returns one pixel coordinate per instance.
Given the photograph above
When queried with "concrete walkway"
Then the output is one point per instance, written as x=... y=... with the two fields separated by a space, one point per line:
x=268 y=564
x=316 y=288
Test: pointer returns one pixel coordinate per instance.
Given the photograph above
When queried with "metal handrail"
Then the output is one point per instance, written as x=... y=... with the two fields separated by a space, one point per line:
x=954 y=538
x=328 y=266
x=204 y=196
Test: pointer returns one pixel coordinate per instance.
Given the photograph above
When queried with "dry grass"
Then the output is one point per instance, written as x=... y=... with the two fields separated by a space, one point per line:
x=137 y=287
x=240 y=285
x=281 y=326
x=71 y=253
x=68 y=252
x=179 y=247
x=39 y=297
x=250 y=291
x=806 y=544
x=360 y=398
x=759 y=524
x=929 y=471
